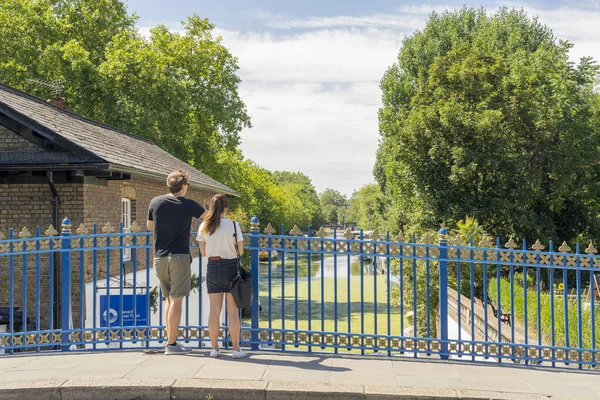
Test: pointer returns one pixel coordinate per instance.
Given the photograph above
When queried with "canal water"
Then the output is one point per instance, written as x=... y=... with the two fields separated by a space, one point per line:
x=344 y=266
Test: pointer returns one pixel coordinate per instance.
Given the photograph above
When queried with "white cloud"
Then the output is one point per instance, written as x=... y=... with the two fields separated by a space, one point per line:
x=330 y=55
x=321 y=89
x=409 y=17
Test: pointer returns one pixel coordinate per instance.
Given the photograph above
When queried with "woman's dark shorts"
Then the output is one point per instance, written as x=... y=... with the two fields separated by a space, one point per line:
x=219 y=274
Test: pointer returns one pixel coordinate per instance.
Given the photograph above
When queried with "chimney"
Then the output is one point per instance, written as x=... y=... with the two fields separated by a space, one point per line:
x=60 y=102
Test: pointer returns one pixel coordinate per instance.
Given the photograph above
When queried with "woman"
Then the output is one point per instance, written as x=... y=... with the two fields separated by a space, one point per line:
x=218 y=244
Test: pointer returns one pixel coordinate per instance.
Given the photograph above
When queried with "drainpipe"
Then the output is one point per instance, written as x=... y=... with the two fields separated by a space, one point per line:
x=56 y=272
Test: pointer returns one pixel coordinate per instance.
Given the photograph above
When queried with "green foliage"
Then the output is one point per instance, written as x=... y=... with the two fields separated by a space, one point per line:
x=178 y=89
x=470 y=277
x=470 y=228
x=301 y=203
x=366 y=208
x=563 y=321
x=259 y=194
x=484 y=115
x=333 y=204
x=415 y=275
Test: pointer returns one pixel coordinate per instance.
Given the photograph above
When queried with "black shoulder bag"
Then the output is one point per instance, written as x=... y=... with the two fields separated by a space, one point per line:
x=241 y=284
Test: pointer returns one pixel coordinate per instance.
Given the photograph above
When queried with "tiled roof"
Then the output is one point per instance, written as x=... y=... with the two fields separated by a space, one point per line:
x=112 y=145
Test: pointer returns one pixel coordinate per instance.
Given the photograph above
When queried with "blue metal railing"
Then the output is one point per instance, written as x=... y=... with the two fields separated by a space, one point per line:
x=410 y=298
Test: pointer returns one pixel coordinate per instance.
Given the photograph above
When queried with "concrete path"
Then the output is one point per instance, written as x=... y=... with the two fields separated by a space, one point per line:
x=265 y=375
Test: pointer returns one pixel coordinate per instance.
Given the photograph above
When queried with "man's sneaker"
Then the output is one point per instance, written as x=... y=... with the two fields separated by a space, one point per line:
x=176 y=349
x=215 y=353
x=238 y=354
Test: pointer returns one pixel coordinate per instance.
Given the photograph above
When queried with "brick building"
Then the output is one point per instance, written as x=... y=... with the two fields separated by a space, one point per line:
x=56 y=164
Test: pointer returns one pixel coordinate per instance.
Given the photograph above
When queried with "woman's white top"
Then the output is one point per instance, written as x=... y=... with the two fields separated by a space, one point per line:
x=221 y=243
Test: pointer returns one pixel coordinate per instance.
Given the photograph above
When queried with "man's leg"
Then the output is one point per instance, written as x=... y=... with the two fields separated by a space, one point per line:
x=167 y=307
x=173 y=318
x=161 y=268
x=180 y=279
x=216 y=304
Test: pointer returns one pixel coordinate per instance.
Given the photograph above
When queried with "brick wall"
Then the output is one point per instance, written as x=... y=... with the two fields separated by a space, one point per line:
x=93 y=201
x=30 y=205
x=10 y=141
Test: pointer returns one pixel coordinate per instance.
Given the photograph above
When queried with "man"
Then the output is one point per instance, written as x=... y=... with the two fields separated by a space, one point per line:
x=170 y=217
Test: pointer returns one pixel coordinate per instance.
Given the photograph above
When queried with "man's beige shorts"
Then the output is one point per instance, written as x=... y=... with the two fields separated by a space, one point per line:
x=175 y=274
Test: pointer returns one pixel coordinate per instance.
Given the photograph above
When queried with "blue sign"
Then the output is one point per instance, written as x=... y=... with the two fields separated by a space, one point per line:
x=110 y=315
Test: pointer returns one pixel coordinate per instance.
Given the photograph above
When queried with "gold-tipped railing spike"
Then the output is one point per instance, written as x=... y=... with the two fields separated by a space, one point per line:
x=295 y=231
x=400 y=237
x=269 y=230
x=135 y=227
x=511 y=244
x=348 y=234
x=51 y=231
x=108 y=228
x=591 y=249
x=375 y=234
x=538 y=246
x=82 y=230
x=24 y=233
x=564 y=248
x=427 y=239
x=321 y=233
x=457 y=241
x=486 y=242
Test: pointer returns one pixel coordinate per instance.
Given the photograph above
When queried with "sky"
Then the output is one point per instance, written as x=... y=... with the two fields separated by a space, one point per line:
x=311 y=69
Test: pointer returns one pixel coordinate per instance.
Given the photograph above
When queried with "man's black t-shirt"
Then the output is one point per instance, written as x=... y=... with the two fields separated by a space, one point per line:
x=172 y=218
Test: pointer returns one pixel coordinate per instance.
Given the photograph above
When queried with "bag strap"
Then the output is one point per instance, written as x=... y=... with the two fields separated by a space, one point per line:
x=235 y=244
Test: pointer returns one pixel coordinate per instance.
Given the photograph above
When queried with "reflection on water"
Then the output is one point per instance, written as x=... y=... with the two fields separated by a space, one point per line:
x=328 y=265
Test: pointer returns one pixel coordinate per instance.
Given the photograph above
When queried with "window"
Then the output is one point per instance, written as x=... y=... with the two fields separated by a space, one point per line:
x=126 y=220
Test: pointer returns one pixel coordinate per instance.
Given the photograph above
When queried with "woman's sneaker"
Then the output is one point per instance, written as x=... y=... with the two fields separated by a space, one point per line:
x=238 y=354
x=215 y=353
x=172 y=349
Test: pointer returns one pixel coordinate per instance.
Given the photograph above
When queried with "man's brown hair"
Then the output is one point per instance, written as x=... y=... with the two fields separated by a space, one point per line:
x=177 y=179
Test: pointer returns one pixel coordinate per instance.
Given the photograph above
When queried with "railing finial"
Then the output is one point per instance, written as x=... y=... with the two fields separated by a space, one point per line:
x=255 y=223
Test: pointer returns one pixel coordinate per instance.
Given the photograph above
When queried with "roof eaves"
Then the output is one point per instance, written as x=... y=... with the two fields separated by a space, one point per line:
x=155 y=175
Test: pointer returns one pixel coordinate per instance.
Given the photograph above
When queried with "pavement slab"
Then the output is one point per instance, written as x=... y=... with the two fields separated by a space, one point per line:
x=200 y=389
x=280 y=376
x=116 y=389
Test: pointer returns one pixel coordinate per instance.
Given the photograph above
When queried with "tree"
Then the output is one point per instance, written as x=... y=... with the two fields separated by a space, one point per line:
x=484 y=115
x=302 y=203
x=178 y=89
x=333 y=204
x=365 y=208
x=259 y=194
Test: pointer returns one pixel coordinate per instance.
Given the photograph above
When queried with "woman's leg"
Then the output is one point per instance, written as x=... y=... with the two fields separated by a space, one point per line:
x=234 y=322
x=216 y=303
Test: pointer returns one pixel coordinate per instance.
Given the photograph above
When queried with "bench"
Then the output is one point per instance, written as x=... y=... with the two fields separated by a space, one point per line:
x=504 y=317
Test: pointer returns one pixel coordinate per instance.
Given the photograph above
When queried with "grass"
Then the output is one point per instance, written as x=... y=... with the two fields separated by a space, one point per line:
x=569 y=318
x=324 y=305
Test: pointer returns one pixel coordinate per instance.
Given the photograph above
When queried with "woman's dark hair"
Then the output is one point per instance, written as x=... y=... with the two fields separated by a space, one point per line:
x=218 y=204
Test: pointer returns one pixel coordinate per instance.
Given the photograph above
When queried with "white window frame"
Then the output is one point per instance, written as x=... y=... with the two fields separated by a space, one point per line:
x=126 y=220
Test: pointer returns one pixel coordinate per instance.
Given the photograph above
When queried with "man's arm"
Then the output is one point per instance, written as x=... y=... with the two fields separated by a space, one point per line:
x=150 y=221
x=198 y=211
